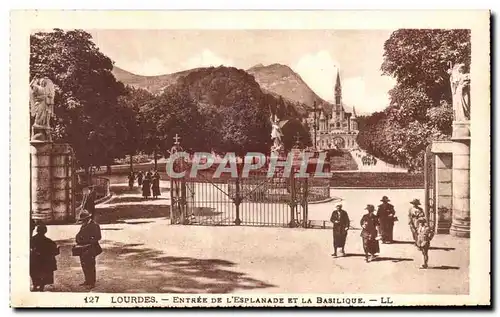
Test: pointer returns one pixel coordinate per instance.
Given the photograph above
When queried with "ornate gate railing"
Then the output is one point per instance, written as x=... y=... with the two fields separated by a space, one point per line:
x=257 y=200
x=430 y=189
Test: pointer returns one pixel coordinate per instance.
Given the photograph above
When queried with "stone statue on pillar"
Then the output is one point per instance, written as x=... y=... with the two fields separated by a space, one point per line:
x=276 y=135
x=460 y=91
x=52 y=164
x=42 y=94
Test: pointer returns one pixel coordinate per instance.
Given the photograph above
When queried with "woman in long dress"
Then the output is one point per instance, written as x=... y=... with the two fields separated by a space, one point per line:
x=369 y=222
x=140 y=177
x=131 y=179
x=43 y=263
x=146 y=186
x=156 y=185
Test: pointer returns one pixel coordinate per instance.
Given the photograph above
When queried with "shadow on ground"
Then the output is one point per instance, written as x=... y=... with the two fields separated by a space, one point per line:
x=123 y=189
x=431 y=248
x=136 y=213
x=378 y=259
x=443 y=267
x=130 y=268
x=119 y=214
x=137 y=199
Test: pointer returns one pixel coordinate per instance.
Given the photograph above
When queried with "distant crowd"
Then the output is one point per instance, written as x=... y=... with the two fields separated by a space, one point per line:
x=366 y=159
x=149 y=183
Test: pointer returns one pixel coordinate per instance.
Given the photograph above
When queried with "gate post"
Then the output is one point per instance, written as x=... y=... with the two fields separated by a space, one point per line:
x=237 y=202
x=183 y=202
x=293 y=200
x=305 y=203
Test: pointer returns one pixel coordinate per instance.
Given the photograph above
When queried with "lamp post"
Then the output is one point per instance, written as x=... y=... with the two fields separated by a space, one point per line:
x=315 y=123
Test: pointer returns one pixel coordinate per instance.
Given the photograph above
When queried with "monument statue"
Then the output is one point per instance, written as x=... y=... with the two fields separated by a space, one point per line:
x=276 y=135
x=42 y=94
x=460 y=92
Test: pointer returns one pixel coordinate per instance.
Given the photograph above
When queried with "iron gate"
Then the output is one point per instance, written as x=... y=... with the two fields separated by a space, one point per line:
x=257 y=200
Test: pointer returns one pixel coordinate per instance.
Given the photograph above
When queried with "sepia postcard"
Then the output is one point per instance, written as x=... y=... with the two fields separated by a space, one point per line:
x=250 y=158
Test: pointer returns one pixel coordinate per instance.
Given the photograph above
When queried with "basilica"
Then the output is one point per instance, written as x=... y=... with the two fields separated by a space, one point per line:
x=336 y=126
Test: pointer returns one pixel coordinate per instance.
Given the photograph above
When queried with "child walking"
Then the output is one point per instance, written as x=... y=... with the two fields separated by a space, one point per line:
x=423 y=240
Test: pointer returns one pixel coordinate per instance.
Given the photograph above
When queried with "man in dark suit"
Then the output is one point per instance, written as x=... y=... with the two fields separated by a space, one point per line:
x=386 y=215
x=340 y=221
x=88 y=238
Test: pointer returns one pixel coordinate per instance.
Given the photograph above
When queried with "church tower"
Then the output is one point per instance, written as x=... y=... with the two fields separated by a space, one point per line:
x=338 y=90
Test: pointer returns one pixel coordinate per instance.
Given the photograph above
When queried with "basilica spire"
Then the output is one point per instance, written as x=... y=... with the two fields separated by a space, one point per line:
x=338 y=89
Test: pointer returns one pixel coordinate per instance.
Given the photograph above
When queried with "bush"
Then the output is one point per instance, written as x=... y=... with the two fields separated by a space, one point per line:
x=136 y=159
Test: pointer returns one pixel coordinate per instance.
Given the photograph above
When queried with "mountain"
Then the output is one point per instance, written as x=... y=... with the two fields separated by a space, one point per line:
x=281 y=80
x=275 y=79
x=154 y=84
x=236 y=109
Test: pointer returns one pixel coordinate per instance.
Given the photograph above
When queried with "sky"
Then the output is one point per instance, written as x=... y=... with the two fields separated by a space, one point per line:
x=315 y=55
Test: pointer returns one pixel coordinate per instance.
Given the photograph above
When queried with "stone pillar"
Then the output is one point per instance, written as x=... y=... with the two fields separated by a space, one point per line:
x=41 y=195
x=52 y=181
x=460 y=226
x=62 y=183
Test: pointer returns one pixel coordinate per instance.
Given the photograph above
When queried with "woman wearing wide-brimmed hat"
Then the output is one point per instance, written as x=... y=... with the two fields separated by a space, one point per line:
x=387 y=216
x=415 y=213
x=87 y=247
x=369 y=223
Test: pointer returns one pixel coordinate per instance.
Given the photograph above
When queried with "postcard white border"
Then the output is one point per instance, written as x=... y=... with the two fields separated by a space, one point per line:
x=478 y=21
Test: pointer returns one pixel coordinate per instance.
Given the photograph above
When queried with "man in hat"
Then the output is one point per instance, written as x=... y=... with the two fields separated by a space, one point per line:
x=340 y=221
x=89 y=236
x=414 y=214
x=423 y=239
x=369 y=223
x=88 y=202
x=386 y=215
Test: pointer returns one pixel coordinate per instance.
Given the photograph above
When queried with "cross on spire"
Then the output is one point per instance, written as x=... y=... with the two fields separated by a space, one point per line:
x=176 y=139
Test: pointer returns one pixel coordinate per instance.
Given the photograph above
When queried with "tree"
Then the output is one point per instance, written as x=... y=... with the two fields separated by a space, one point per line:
x=173 y=112
x=418 y=58
x=86 y=93
x=137 y=130
x=420 y=103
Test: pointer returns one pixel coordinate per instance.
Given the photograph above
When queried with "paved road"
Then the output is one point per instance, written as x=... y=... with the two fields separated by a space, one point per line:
x=144 y=253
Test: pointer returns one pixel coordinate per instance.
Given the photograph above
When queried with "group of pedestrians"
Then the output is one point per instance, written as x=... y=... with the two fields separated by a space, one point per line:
x=379 y=226
x=366 y=159
x=43 y=252
x=149 y=183
x=369 y=160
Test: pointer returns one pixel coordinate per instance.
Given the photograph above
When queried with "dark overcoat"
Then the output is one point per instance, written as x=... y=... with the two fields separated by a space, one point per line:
x=90 y=234
x=340 y=220
x=369 y=223
x=43 y=263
